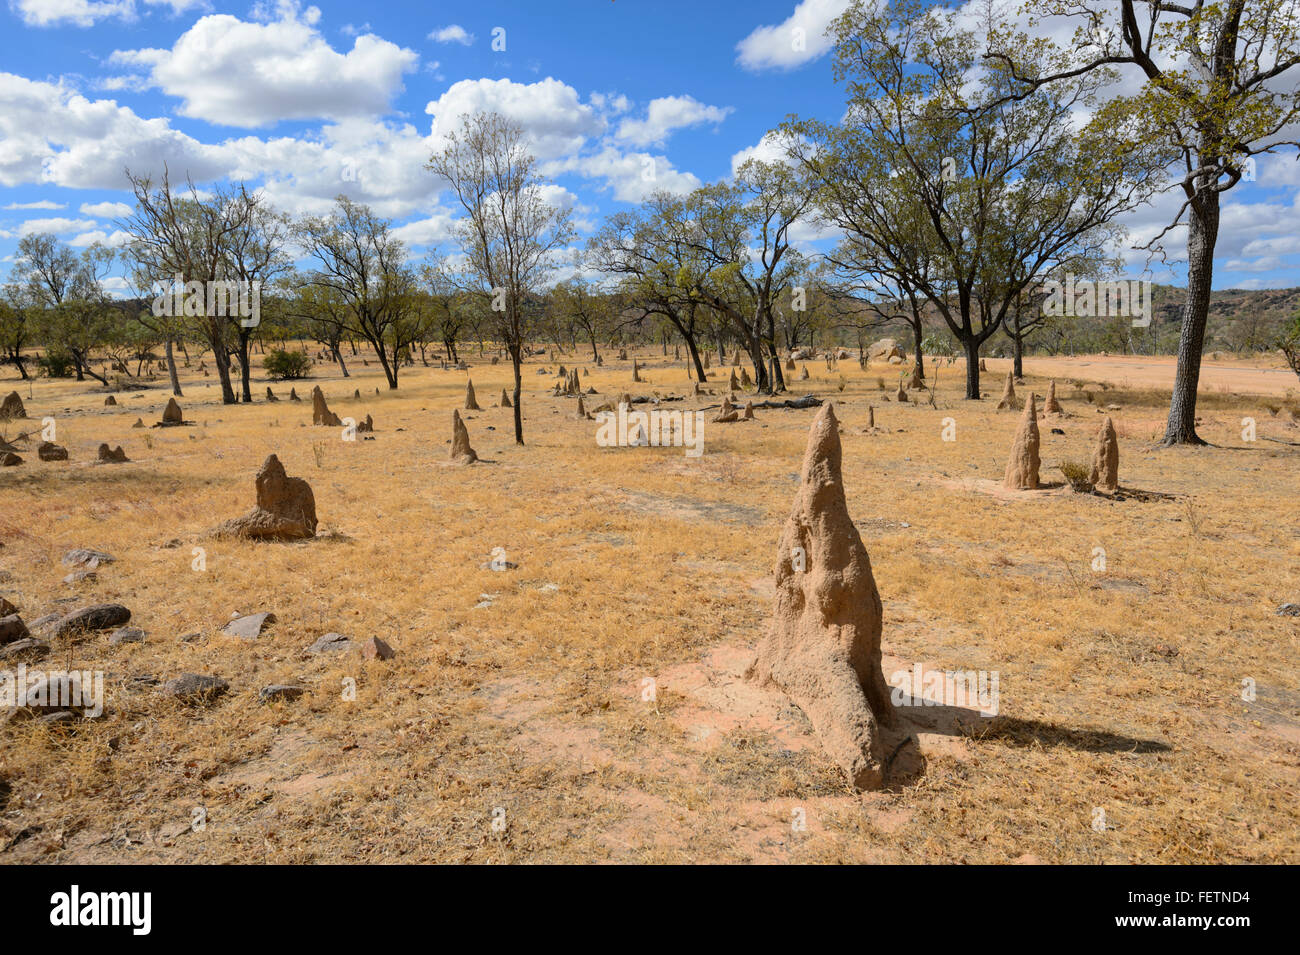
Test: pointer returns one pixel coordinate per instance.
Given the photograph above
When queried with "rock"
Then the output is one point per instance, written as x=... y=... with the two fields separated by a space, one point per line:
x=330 y=643
x=94 y=617
x=109 y=455
x=126 y=635
x=1009 y=402
x=81 y=576
x=1022 y=466
x=49 y=451
x=471 y=402
x=376 y=649
x=285 y=510
x=1104 y=475
x=461 y=452
x=10 y=460
x=250 y=626
x=12 y=406
x=884 y=350
x=1289 y=610
x=279 y=693
x=6 y=608
x=28 y=648
x=172 y=414
x=823 y=645
x=195 y=688
x=90 y=559
x=12 y=628
x=57 y=696
x=320 y=412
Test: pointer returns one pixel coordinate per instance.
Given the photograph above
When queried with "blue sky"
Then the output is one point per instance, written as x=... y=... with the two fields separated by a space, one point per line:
x=617 y=97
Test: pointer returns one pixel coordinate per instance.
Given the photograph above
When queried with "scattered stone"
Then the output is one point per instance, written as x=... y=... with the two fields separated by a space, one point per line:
x=81 y=557
x=461 y=452
x=1105 y=459
x=49 y=451
x=12 y=406
x=49 y=695
x=376 y=649
x=28 y=648
x=285 y=510
x=94 y=617
x=81 y=576
x=1022 y=466
x=884 y=350
x=330 y=643
x=823 y=646
x=127 y=635
x=12 y=628
x=1289 y=610
x=109 y=455
x=279 y=693
x=471 y=403
x=250 y=626
x=6 y=608
x=10 y=460
x=195 y=688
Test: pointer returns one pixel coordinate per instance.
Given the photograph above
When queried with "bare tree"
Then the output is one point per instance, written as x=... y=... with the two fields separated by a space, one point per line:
x=509 y=232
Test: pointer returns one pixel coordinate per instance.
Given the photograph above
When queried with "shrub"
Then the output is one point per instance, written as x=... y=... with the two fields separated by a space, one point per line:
x=1077 y=474
x=286 y=365
x=55 y=363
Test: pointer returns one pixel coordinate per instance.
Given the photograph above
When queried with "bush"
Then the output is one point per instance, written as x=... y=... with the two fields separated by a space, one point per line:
x=55 y=363
x=286 y=364
x=1077 y=474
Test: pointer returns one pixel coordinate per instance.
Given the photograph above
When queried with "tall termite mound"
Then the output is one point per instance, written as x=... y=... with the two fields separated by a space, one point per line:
x=1008 y=400
x=461 y=452
x=1105 y=459
x=471 y=402
x=823 y=646
x=1051 y=405
x=1022 y=466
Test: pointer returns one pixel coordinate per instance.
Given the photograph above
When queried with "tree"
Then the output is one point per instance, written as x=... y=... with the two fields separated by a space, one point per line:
x=509 y=233
x=995 y=191
x=1214 y=92
x=73 y=308
x=363 y=269
x=191 y=237
x=16 y=332
x=256 y=256
x=586 y=308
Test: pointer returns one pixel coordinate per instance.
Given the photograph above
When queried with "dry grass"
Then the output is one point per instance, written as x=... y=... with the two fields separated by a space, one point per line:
x=1119 y=690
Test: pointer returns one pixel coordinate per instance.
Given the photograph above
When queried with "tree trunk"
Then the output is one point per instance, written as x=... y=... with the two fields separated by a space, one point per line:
x=244 y=362
x=1202 y=233
x=917 y=329
x=1018 y=353
x=972 y=346
x=516 y=359
x=171 y=370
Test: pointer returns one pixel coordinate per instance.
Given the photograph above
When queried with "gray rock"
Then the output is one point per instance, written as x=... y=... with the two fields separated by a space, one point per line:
x=1289 y=610
x=330 y=643
x=95 y=617
x=127 y=635
x=248 y=627
x=195 y=687
x=90 y=559
x=12 y=628
x=278 y=692
x=28 y=648
x=81 y=576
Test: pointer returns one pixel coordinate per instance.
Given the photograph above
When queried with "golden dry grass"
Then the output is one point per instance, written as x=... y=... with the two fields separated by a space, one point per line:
x=1119 y=691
